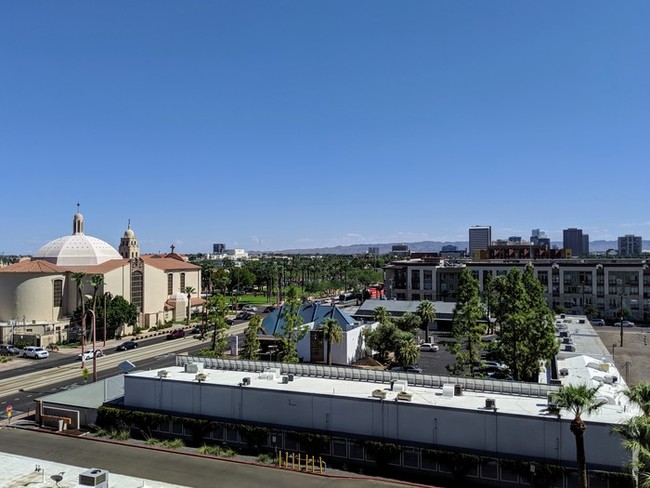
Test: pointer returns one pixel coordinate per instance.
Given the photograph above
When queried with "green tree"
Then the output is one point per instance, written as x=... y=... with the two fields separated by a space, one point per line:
x=384 y=338
x=407 y=351
x=640 y=394
x=381 y=315
x=251 y=349
x=216 y=310
x=409 y=322
x=188 y=291
x=578 y=401
x=332 y=333
x=79 y=279
x=293 y=329
x=119 y=312
x=427 y=313
x=527 y=324
x=539 y=343
x=467 y=328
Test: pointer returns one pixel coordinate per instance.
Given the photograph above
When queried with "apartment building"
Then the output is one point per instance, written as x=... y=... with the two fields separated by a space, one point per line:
x=596 y=287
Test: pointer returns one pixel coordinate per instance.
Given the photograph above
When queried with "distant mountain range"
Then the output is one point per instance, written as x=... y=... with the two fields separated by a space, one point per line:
x=430 y=246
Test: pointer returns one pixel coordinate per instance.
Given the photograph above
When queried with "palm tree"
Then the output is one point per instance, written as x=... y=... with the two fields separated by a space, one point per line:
x=577 y=400
x=640 y=394
x=636 y=439
x=408 y=352
x=427 y=313
x=189 y=290
x=381 y=315
x=96 y=281
x=79 y=279
x=332 y=333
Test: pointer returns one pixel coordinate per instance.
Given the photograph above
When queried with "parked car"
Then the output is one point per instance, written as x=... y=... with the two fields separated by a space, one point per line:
x=35 y=352
x=127 y=346
x=176 y=334
x=626 y=323
x=244 y=315
x=230 y=321
x=89 y=353
x=597 y=322
x=428 y=346
x=249 y=308
x=269 y=309
x=9 y=350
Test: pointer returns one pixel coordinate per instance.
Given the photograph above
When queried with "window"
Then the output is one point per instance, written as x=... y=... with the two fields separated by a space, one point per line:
x=57 y=293
x=428 y=279
x=136 y=289
x=415 y=279
x=182 y=282
x=170 y=284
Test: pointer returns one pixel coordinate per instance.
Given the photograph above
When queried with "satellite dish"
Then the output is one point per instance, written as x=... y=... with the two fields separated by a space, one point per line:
x=126 y=366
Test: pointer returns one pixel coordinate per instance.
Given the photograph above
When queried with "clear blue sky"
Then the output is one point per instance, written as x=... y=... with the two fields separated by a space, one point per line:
x=295 y=124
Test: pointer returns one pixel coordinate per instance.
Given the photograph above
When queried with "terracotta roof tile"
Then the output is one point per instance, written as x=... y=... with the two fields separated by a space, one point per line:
x=168 y=264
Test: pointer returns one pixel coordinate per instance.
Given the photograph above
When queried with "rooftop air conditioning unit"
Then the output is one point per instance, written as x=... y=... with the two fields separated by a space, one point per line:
x=405 y=395
x=94 y=477
x=194 y=368
x=201 y=377
x=163 y=373
x=379 y=393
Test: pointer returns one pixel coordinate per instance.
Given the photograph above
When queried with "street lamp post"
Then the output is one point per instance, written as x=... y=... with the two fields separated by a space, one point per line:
x=620 y=282
x=94 y=331
x=107 y=294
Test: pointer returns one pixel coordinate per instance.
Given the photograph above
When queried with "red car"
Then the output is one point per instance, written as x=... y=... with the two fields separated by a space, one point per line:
x=176 y=334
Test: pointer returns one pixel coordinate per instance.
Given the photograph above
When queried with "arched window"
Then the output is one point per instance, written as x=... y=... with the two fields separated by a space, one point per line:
x=57 y=293
x=170 y=284
x=136 y=289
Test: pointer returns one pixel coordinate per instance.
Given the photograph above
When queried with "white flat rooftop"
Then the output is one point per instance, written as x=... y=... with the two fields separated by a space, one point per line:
x=21 y=471
x=470 y=400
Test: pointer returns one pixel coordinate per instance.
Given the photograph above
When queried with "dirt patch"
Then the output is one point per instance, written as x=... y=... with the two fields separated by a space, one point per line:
x=633 y=359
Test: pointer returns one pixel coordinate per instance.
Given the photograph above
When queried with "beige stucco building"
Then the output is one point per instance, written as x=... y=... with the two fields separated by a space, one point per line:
x=39 y=295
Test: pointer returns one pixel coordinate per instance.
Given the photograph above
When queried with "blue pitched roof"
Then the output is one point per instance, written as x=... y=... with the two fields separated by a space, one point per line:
x=310 y=312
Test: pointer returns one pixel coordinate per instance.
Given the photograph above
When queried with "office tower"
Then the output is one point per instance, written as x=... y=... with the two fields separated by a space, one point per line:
x=373 y=250
x=218 y=248
x=630 y=245
x=400 y=250
x=574 y=240
x=480 y=238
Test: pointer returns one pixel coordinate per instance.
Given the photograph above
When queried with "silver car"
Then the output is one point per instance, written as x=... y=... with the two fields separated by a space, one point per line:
x=35 y=352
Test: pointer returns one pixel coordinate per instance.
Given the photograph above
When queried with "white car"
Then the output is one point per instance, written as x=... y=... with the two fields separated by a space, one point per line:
x=249 y=308
x=428 y=346
x=35 y=352
x=626 y=323
x=88 y=355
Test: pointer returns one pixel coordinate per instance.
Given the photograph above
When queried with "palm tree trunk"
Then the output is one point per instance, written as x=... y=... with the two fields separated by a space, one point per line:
x=578 y=428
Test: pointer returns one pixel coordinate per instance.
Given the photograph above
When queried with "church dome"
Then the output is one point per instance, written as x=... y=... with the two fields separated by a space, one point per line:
x=77 y=250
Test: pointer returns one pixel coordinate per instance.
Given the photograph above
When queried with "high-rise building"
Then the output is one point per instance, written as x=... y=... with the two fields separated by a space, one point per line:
x=400 y=250
x=536 y=235
x=218 y=248
x=574 y=239
x=480 y=238
x=373 y=250
x=514 y=239
x=630 y=245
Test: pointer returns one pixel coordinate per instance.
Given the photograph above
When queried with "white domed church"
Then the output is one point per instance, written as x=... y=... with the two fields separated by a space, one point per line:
x=39 y=295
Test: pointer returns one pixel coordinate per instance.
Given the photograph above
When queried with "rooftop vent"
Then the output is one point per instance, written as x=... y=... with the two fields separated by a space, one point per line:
x=490 y=403
x=564 y=372
x=163 y=373
x=379 y=394
x=246 y=381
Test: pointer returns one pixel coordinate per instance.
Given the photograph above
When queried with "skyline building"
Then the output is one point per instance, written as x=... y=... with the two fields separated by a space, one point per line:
x=630 y=245
x=480 y=238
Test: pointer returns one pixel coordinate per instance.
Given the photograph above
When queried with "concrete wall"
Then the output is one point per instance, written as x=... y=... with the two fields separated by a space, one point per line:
x=487 y=431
